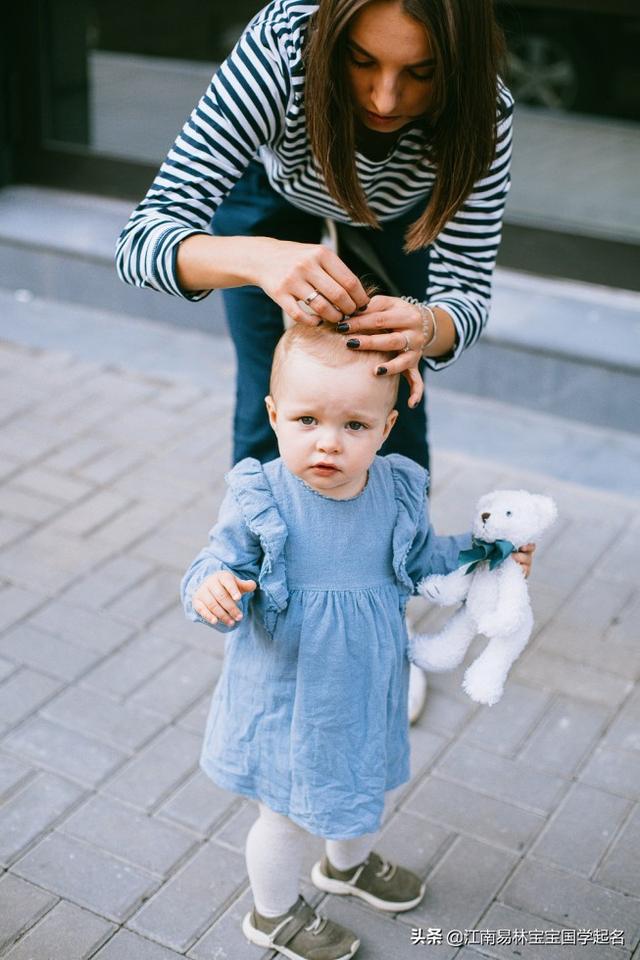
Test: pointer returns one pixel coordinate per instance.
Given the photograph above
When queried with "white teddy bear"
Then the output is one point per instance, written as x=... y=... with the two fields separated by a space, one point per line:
x=497 y=599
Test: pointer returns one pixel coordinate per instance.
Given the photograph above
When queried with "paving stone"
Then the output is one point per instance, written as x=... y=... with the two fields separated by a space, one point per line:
x=47 y=653
x=130 y=946
x=76 y=453
x=474 y=814
x=157 y=769
x=108 y=582
x=144 y=841
x=225 y=940
x=183 y=909
x=595 y=604
x=613 y=770
x=26 y=506
x=16 y=603
x=6 y=668
x=21 y=905
x=195 y=719
x=517 y=922
x=415 y=843
x=582 y=829
x=570 y=678
x=12 y=529
x=49 y=483
x=596 y=650
x=26 y=439
x=66 y=933
x=124 y=725
x=137 y=521
x=502 y=728
x=110 y=465
x=23 y=693
x=33 y=810
x=12 y=774
x=91 y=514
x=624 y=732
x=444 y=714
x=233 y=833
x=501 y=777
x=177 y=685
x=87 y=876
x=624 y=627
x=174 y=625
x=567 y=731
x=63 y=751
x=131 y=665
x=425 y=747
x=59 y=558
x=461 y=886
x=199 y=804
x=97 y=631
x=566 y=898
x=619 y=868
x=144 y=601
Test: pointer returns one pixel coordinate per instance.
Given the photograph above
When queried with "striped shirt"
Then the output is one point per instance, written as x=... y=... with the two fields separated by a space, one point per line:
x=254 y=107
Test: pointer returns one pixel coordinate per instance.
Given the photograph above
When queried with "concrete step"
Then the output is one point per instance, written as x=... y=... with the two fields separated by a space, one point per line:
x=559 y=347
x=497 y=432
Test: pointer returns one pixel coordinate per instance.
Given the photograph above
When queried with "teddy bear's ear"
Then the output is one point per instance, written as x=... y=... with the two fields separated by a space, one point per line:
x=546 y=510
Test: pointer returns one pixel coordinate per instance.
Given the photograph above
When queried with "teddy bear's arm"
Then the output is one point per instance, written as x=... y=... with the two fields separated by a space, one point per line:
x=446 y=589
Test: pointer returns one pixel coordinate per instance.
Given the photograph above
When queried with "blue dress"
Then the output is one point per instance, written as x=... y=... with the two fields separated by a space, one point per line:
x=310 y=712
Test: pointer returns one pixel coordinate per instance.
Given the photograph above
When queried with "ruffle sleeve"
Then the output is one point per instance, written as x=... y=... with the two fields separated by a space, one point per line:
x=410 y=483
x=417 y=550
x=251 y=489
x=248 y=539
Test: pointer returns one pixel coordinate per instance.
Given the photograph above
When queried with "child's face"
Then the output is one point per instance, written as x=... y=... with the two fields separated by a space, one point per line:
x=330 y=423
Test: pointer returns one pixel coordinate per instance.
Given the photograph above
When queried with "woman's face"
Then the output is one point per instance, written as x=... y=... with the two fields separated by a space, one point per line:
x=390 y=66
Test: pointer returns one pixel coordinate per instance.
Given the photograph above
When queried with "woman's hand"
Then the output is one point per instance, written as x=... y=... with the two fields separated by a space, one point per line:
x=293 y=272
x=524 y=556
x=400 y=326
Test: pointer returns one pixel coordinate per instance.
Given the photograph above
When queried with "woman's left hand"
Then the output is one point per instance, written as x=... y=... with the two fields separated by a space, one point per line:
x=524 y=556
x=401 y=331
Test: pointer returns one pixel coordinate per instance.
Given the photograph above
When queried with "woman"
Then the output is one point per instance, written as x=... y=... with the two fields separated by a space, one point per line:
x=386 y=117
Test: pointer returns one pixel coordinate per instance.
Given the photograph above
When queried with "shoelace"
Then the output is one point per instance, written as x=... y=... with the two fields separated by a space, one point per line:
x=317 y=925
x=387 y=870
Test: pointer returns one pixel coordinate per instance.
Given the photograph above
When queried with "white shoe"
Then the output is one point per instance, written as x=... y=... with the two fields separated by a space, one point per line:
x=417 y=692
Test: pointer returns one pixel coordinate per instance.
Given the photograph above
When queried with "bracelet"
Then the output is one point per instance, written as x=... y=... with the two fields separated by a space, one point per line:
x=428 y=316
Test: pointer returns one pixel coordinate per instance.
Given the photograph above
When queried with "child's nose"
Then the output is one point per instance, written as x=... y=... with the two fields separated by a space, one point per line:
x=329 y=442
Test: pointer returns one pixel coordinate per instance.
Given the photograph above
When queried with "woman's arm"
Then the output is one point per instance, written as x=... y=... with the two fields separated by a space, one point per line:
x=243 y=107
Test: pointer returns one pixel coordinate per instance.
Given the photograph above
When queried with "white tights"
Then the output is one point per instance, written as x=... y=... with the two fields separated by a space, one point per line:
x=275 y=848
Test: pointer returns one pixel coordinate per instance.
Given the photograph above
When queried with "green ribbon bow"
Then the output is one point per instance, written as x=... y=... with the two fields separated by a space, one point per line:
x=496 y=553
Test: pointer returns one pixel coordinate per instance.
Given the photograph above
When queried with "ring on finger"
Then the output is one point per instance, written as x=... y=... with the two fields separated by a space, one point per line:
x=407 y=345
x=311 y=296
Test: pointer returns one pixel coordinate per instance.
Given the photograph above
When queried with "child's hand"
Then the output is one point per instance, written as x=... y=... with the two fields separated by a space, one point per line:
x=215 y=598
x=524 y=557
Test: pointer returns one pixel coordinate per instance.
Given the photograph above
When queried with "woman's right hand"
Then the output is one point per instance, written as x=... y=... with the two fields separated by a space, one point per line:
x=290 y=273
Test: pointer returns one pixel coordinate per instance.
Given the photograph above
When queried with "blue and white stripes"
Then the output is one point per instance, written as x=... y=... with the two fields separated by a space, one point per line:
x=254 y=106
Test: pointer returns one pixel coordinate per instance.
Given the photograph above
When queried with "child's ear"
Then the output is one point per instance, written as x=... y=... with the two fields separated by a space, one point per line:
x=391 y=419
x=271 y=410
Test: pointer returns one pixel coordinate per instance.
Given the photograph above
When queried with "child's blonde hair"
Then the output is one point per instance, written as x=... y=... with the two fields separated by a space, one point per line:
x=326 y=345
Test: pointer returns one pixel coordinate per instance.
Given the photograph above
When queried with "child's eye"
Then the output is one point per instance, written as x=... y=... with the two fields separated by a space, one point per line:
x=307 y=421
x=356 y=425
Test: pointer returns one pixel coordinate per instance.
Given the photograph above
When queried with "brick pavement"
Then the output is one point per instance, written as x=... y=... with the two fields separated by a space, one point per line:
x=113 y=845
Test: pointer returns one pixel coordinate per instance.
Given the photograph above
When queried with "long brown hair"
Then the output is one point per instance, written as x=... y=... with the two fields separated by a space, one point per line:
x=468 y=48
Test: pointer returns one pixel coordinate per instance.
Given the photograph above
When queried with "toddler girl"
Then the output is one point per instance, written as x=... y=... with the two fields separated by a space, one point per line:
x=310 y=567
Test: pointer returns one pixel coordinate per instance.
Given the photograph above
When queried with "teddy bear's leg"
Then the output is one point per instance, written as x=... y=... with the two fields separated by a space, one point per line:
x=484 y=680
x=444 y=650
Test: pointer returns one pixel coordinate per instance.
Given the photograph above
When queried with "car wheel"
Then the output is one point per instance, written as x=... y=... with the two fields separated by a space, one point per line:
x=544 y=71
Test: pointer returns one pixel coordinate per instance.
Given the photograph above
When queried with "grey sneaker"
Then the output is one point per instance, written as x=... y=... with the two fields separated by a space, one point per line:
x=301 y=934
x=376 y=881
